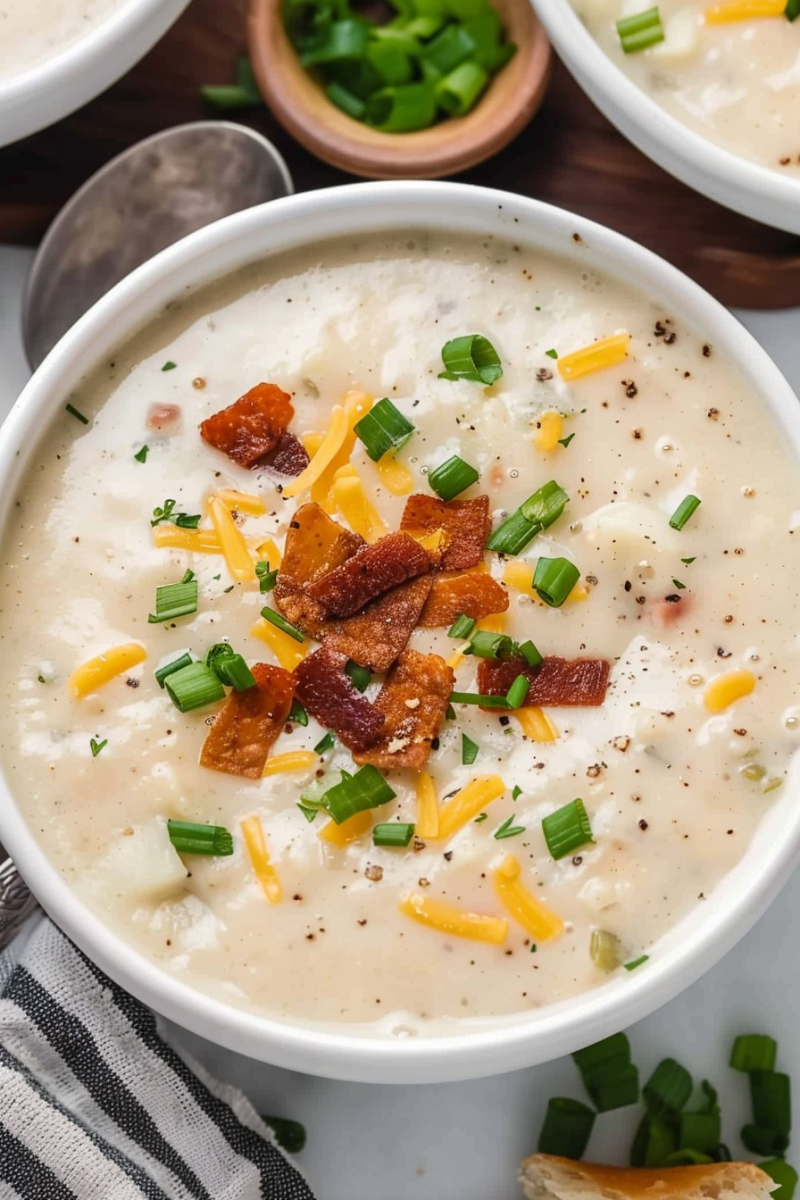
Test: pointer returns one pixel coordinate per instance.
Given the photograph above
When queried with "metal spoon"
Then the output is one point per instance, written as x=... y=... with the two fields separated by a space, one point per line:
x=142 y=201
x=145 y=199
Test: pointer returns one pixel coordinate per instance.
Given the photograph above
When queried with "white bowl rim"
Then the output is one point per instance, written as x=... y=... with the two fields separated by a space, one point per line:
x=340 y=1055
x=574 y=41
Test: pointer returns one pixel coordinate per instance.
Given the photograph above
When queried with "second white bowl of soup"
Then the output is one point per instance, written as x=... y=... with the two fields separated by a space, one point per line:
x=400 y=679
x=708 y=90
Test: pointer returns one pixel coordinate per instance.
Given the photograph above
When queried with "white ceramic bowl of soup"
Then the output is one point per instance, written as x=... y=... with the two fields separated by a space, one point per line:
x=768 y=194
x=709 y=927
x=58 y=56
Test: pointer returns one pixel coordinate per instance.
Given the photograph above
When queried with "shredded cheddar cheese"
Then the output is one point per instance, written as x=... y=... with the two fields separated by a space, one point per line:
x=743 y=10
x=534 y=917
x=197 y=541
x=312 y=442
x=395 y=477
x=243 y=502
x=494 y=623
x=356 y=405
x=448 y=919
x=430 y=541
x=457 y=657
x=292 y=760
x=605 y=353
x=536 y=724
x=518 y=575
x=427 y=807
x=551 y=428
x=349 y=831
x=269 y=551
x=256 y=843
x=331 y=444
x=97 y=671
x=351 y=500
x=287 y=651
x=467 y=803
x=235 y=550
x=725 y=689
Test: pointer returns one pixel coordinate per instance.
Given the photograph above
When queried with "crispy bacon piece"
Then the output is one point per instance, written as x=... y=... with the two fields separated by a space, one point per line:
x=374 y=638
x=413 y=700
x=330 y=696
x=556 y=683
x=299 y=608
x=251 y=427
x=372 y=571
x=314 y=545
x=466 y=525
x=289 y=457
x=244 y=731
x=473 y=595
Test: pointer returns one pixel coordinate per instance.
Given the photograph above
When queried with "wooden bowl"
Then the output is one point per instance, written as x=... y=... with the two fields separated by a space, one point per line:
x=301 y=106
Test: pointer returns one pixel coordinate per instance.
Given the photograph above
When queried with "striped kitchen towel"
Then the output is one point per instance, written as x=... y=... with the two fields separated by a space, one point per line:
x=94 y=1105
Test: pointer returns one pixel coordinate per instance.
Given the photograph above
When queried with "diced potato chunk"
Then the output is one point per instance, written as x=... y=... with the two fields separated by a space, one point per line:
x=142 y=863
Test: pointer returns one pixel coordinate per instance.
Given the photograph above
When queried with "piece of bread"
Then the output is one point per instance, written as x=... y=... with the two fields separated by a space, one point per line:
x=545 y=1177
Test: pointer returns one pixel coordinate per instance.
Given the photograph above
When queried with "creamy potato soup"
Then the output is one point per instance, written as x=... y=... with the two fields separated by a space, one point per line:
x=526 y=681
x=729 y=72
x=36 y=30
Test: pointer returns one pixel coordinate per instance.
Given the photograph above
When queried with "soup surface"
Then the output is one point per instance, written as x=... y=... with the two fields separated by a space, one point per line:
x=36 y=30
x=736 y=83
x=664 y=702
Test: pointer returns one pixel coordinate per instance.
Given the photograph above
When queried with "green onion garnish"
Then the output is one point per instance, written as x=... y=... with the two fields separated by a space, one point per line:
x=640 y=31
x=792 y=12
x=382 y=429
x=345 y=100
x=395 y=833
x=217 y=657
x=175 y=664
x=452 y=46
x=240 y=677
x=469 y=750
x=616 y=1092
x=298 y=714
x=169 y=366
x=452 y=478
x=684 y=511
x=508 y=829
x=356 y=793
x=653 y=1142
x=668 y=1088
x=96 y=746
x=686 y=1158
x=449 y=712
x=346 y=39
x=308 y=811
x=457 y=92
x=402 y=109
x=73 y=412
x=188 y=838
x=477 y=698
x=141 y=455
x=554 y=579
x=193 y=686
x=567 y=829
x=471 y=357
x=764 y=1141
x=636 y=962
x=290 y=1135
x=605 y=950
x=535 y=514
x=531 y=655
x=359 y=675
x=513 y=535
x=770 y=1092
x=517 y=694
x=462 y=627
x=699 y=1131
x=754 y=1052
x=275 y=618
x=174 y=600
x=325 y=743
x=567 y=1128
x=266 y=578
x=604 y=1059
x=776 y=1168
x=485 y=644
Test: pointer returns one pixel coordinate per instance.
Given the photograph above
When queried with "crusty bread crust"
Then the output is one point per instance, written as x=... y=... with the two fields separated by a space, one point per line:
x=545 y=1177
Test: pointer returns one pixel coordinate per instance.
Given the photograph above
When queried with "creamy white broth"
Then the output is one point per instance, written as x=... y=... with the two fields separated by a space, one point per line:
x=662 y=780
x=737 y=84
x=37 y=30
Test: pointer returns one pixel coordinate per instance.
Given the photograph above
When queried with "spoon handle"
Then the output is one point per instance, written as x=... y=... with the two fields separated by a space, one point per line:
x=16 y=901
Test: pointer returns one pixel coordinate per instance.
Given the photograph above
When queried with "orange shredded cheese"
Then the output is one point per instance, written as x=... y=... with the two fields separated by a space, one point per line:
x=331 y=445
x=743 y=10
x=292 y=760
x=536 y=724
x=608 y=352
x=287 y=651
x=235 y=550
x=551 y=428
x=727 y=688
x=312 y=442
x=243 y=502
x=256 y=843
x=349 y=831
x=427 y=807
x=356 y=405
x=455 y=921
x=534 y=917
x=269 y=551
x=467 y=803
x=394 y=476
x=97 y=671
x=351 y=500
x=197 y=541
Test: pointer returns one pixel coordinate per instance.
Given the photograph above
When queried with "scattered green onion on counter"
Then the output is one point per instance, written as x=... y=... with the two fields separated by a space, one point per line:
x=754 y=1052
x=356 y=793
x=567 y=1128
x=554 y=579
x=640 y=31
x=567 y=829
x=174 y=600
x=452 y=478
x=383 y=429
x=189 y=838
x=471 y=357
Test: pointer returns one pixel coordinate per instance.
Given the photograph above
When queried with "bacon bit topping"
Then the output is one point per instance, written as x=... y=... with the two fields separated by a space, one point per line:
x=329 y=695
x=475 y=596
x=372 y=571
x=244 y=731
x=466 y=524
x=289 y=457
x=251 y=427
x=374 y=638
x=316 y=545
x=407 y=737
x=298 y=607
x=164 y=419
x=556 y=683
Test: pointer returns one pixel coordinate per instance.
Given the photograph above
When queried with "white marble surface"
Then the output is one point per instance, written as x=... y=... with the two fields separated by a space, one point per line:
x=463 y=1141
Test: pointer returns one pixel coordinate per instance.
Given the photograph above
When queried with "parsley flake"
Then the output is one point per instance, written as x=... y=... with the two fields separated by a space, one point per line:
x=73 y=412
x=677 y=583
x=481 y=817
x=141 y=455
x=551 y=353
x=169 y=366
x=96 y=746
x=566 y=441
x=507 y=830
x=688 y=561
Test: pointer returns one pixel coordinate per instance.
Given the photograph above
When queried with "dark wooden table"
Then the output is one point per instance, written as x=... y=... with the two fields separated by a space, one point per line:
x=569 y=155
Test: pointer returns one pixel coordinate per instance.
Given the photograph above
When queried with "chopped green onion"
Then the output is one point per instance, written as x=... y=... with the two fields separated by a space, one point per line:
x=513 y=535
x=636 y=962
x=96 y=746
x=382 y=429
x=699 y=1131
x=141 y=455
x=480 y=818
x=240 y=677
x=640 y=31
x=356 y=793
x=686 y=1158
x=298 y=714
x=449 y=713
x=459 y=91
x=653 y=1142
x=73 y=412
x=554 y=579
x=325 y=743
x=792 y=12
x=275 y=618
x=471 y=357
x=508 y=829
x=394 y=833
x=217 y=659
x=290 y=1135
x=402 y=109
x=266 y=578
x=531 y=655
x=193 y=686
x=618 y=1091
x=390 y=60
x=469 y=750
x=188 y=838
x=517 y=694
x=176 y=664
x=710 y=1103
x=604 y=1059
x=668 y=1088
x=424 y=27
x=485 y=644
x=353 y=105
x=477 y=698
x=683 y=512
x=765 y=1141
x=605 y=950
x=345 y=40
x=565 y=441
x=567 y=1128
x=546 y=505
x=309 y=812
x=452 y=478
x=169 y=366
x=359 y=675
x=723 y=1154
x=770 y=1092
x=567 y=829
x=782 y=1174
x=754 y=1052
x=174 y=600
x=462 y=627
x=228 y=97
x=449 y=48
